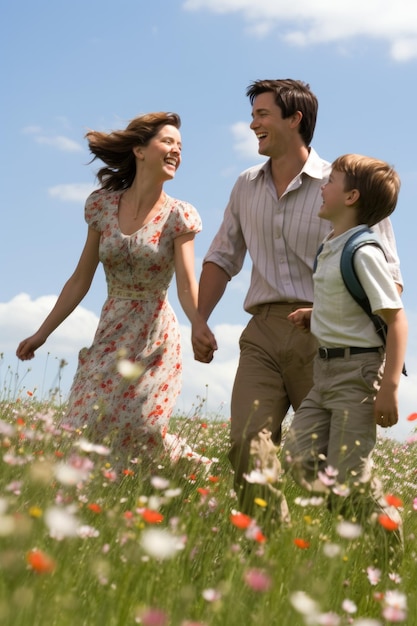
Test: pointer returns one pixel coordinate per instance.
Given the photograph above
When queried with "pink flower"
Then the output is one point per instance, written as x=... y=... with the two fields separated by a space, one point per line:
x=257 y=580
x=374 y=575
x=154 y=617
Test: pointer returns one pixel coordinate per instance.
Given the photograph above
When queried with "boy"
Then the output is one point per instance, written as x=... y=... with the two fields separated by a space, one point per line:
x=356 y=379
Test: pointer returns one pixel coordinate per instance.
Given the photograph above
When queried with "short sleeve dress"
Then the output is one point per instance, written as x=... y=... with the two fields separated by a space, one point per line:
x=136 y=323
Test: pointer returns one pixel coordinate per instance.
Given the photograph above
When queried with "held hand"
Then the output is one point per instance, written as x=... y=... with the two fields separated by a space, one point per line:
x=26 y=348
x=203 y=340
x=301 y=318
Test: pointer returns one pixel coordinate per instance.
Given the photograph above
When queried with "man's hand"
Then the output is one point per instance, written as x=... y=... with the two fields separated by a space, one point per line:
x=203 y=340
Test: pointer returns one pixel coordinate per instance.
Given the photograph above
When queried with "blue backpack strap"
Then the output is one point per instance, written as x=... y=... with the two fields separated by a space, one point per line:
x=363 y=237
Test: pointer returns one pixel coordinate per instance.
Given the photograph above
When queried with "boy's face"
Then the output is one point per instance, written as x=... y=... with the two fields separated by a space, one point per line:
x=333 y=195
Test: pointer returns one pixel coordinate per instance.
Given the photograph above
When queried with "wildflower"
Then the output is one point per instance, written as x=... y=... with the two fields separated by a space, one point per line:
x=331 y=550
x=348 y=530
x=257 y=580
x=395 y=606
x=261 y=502
x=159 y=483
x=374 y=575
x=86 y=532
x=415 y=504
x=173 y=493
x=349 y=606
x=128 y=472
x=412 y=417
x=396 y=578
x=153 y=617
x=160 y=543
x=151 y=517
x=213 y=479
x=86 y=446
x=301 y=543
x=304 y=604
x=211 y=595
x=393 y=500
x=61 y=523
x=328 y=619
x=240 y=520
x=387 y=523
x=95 y=508
x=129 y=370
x=40 y=562
x=35 y=511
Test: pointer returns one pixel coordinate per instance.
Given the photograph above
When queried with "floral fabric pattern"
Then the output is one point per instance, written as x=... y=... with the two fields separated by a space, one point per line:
x=136 y=323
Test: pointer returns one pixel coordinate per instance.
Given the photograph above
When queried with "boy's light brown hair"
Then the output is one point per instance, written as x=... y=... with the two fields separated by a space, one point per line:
x=377 y=182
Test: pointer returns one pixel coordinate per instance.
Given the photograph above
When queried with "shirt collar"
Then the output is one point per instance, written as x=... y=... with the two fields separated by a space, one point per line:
x=315 y=167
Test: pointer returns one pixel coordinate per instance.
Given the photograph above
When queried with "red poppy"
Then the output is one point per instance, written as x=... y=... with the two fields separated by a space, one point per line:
x=152 y=517
x=301 y=543
x=128 y=472
x=240 y=520
x=202 y=491
x=393 y=500
x=387 y=523
x=412 y=417
x=40 y=562
x=96 y=508
x=214 y=479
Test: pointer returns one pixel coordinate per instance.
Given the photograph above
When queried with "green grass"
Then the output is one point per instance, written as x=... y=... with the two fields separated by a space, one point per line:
x=103 y=569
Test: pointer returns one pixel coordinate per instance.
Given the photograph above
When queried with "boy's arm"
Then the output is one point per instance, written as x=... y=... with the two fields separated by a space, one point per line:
x=386 y=401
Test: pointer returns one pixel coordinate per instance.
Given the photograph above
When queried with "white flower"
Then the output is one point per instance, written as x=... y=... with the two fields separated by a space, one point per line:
x=211 y=595
x=61 y=523
x=130 y=370
x=70 y=475
x=374 y=575
x=331 y=550
x=304 y=604
x=160 y=543
x=349 y=606
x=159 y=483
x=348 y=530
x=87 y=531
x=87 y=446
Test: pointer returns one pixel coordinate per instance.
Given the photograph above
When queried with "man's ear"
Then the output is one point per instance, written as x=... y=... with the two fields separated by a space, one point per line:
x=296 y=119
x=352 y=196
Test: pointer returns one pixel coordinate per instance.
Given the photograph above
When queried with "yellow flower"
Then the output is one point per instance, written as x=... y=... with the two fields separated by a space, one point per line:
x=35 y=511
x=261 y=502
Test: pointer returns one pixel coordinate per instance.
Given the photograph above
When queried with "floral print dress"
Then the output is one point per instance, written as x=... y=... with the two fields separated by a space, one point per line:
x=136 y=323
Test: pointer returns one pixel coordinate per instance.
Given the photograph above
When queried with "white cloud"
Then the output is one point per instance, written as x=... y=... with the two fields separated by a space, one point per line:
x=245 y=142
x=303 y=22
x=75 y=192
x=60 y=142
x=206 y=387
x=21 y=316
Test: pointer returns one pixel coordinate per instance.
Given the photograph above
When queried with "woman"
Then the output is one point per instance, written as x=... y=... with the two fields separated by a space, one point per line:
x=142 y=236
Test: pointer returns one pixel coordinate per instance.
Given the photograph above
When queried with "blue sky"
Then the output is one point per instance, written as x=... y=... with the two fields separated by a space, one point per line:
x=82 y=64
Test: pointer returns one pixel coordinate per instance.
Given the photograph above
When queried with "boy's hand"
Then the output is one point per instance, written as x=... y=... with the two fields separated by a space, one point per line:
x=301 y=318
x=386 y=407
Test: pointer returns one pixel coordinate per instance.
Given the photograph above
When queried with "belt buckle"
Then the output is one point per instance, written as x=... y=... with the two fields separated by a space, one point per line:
x=323 y=353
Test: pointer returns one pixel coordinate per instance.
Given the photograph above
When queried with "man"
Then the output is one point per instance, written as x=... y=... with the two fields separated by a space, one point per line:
x=272 y=214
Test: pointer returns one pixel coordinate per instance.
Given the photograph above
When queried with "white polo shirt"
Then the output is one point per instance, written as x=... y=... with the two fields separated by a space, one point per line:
x=337 y=320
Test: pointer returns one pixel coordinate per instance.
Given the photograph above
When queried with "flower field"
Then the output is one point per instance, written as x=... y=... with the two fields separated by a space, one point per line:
x=82 y=544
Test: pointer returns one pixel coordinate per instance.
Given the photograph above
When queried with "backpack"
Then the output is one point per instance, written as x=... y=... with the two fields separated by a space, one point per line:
x=363 y=237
